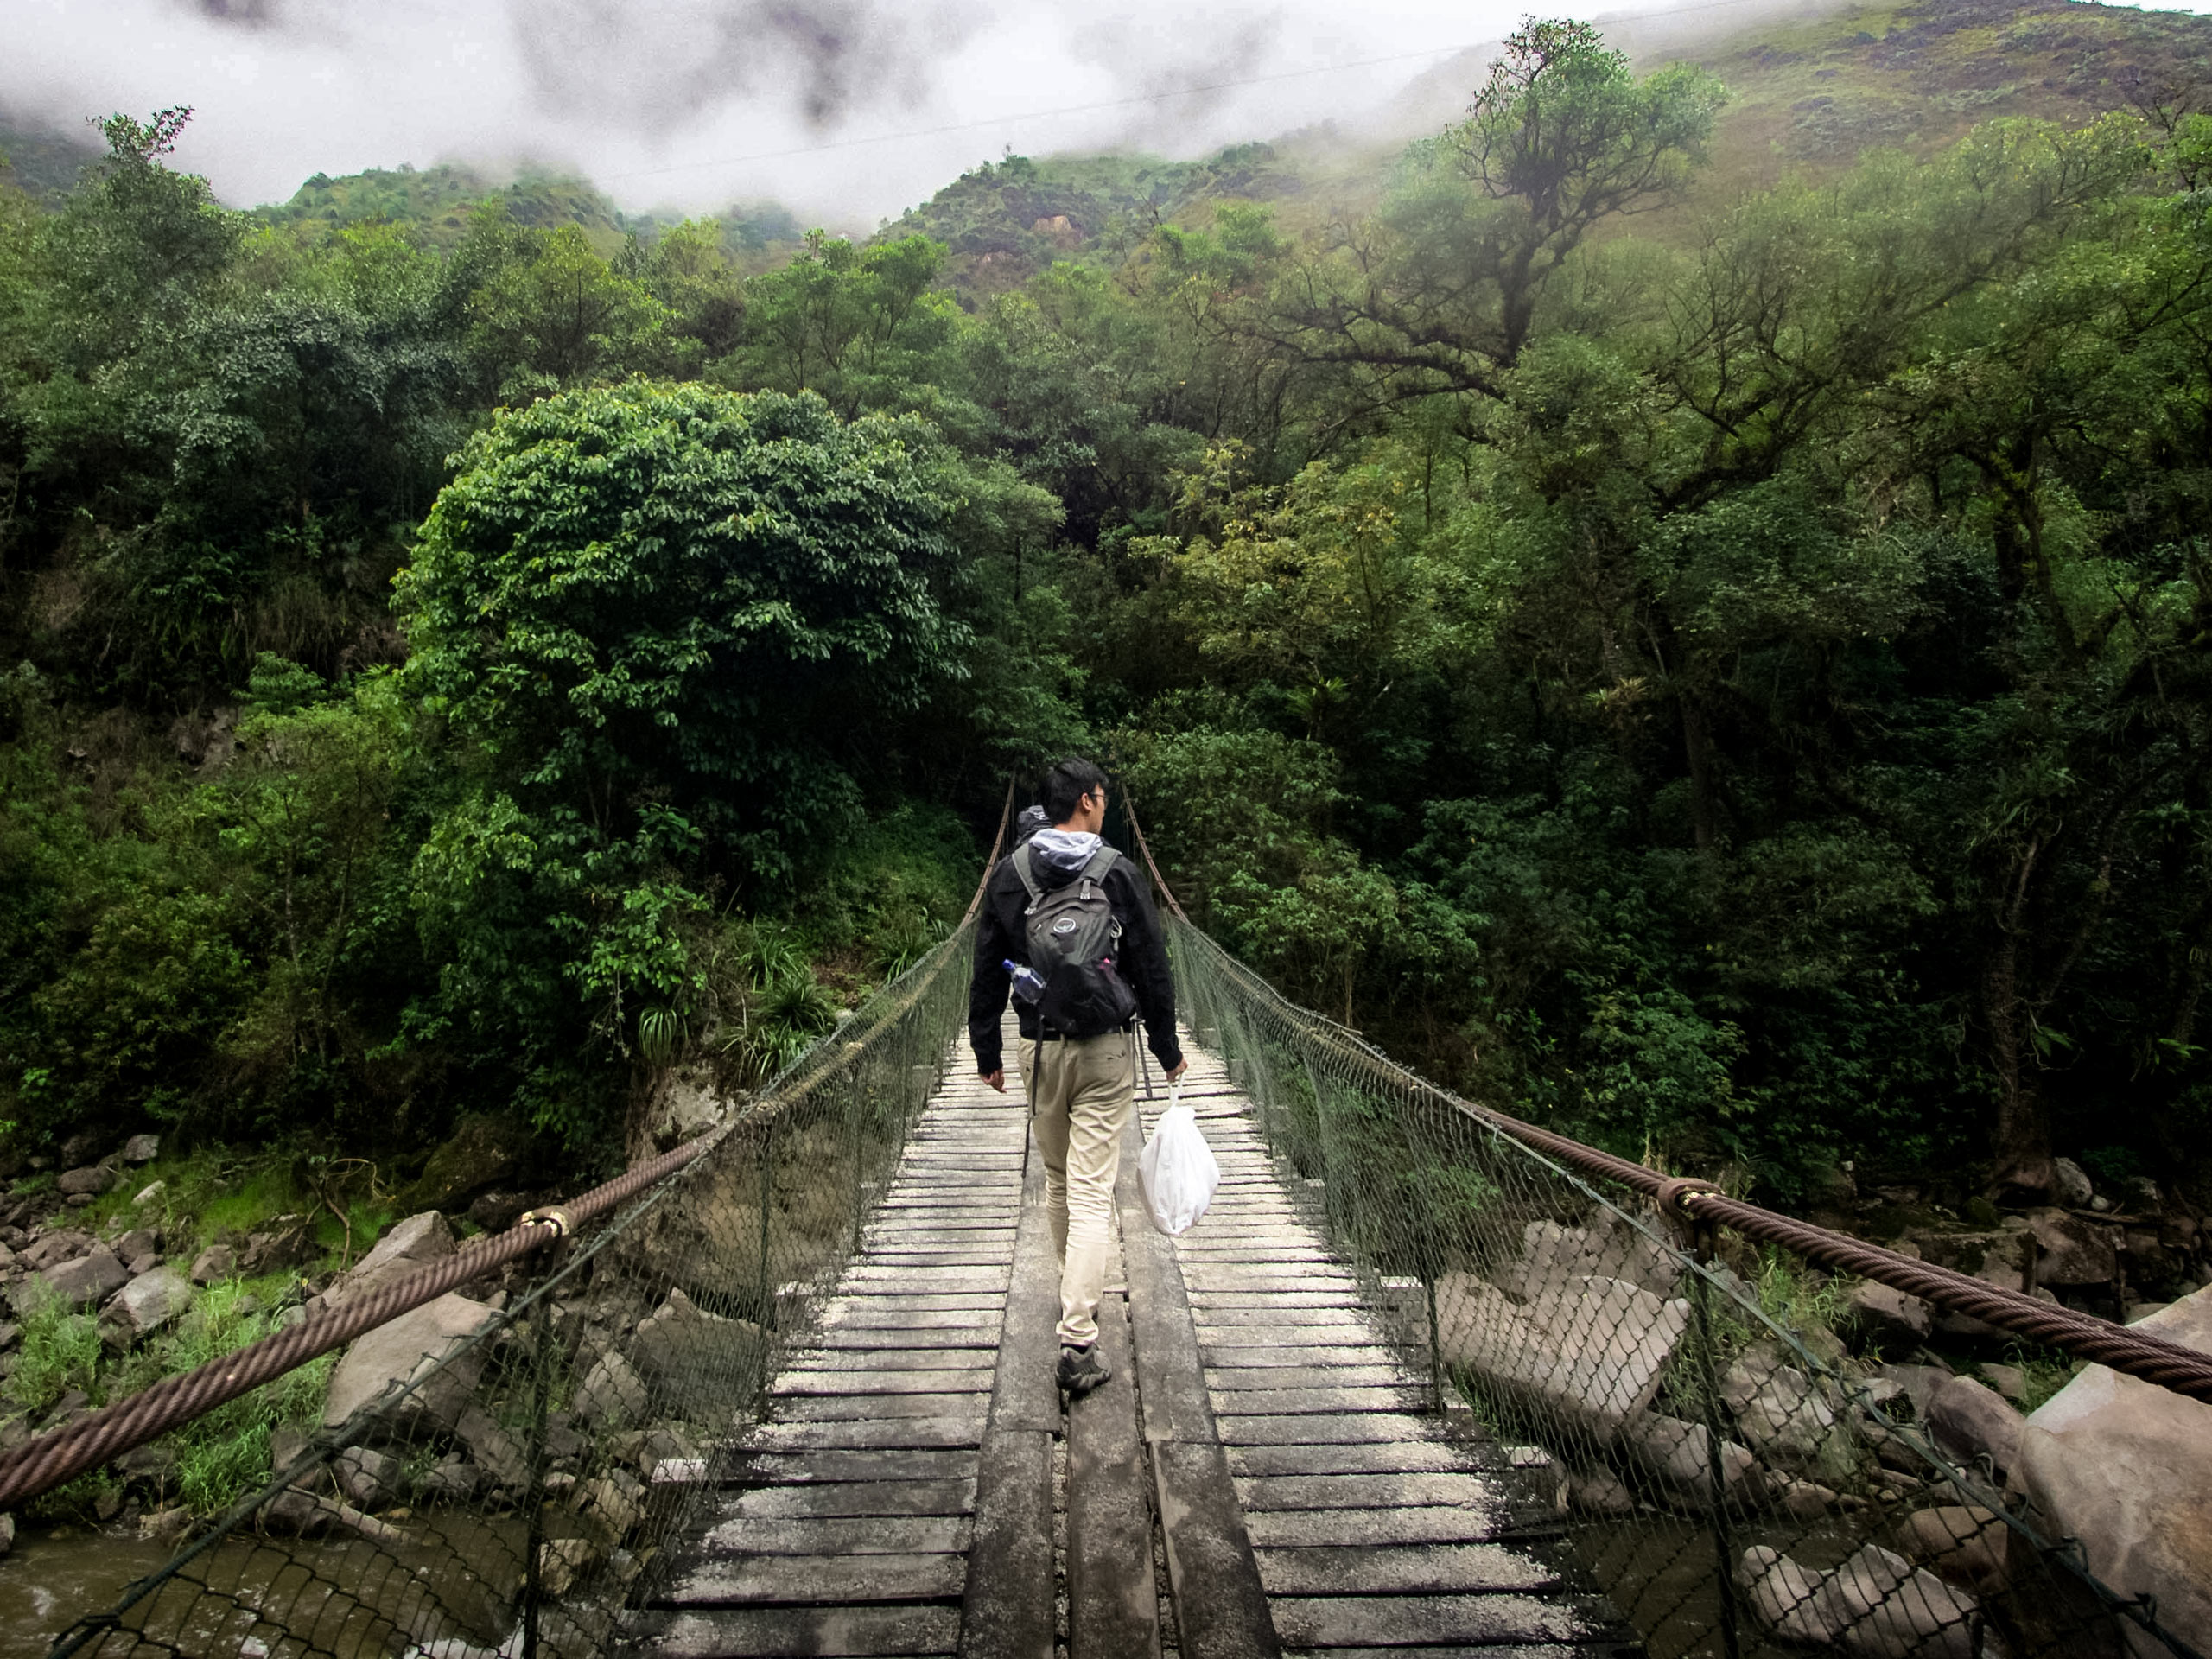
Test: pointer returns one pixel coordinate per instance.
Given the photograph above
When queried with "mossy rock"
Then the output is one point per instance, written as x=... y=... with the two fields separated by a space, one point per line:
x=482 y=1152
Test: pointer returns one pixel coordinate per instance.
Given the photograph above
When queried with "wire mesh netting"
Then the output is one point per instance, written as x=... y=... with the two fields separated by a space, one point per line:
x=1729 y=1477
x=504 y=1469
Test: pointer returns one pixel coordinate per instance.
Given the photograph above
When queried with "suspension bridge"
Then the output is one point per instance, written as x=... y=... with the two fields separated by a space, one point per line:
x=1425 y=1379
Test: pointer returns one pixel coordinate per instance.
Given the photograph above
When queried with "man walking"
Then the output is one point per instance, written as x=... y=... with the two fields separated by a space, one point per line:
x=1067 y=909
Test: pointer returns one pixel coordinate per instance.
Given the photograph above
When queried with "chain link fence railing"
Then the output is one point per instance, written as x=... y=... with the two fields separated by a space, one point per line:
x=503 y=1466
x=1713 y=1460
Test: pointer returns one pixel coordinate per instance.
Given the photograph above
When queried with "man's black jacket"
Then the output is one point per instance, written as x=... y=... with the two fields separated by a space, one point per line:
x=1000 y=937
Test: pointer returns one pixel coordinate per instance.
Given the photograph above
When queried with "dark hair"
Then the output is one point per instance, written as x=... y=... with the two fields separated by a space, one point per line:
x=1065 y=785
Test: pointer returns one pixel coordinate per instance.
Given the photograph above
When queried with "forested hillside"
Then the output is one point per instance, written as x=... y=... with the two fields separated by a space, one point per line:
x=1717 y=658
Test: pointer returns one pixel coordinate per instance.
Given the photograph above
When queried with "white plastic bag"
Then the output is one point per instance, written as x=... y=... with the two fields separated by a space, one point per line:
x=1178 y=1170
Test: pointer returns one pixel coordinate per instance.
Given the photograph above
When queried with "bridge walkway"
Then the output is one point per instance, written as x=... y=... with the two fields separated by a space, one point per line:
x=1262 y=1476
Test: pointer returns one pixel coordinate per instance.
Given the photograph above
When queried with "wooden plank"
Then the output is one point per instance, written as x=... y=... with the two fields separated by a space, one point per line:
x=1369 y=1491
x=812 y=1381
x=1007 y=1611
x=1277 y=1402
x=850 y=1407
x=1327 y=1375
x=740 y=1633
x=908 y=1338
x=802 y=1500
x=956 y=1429
x=1443 y=1524
x=1411 y=1621
x=1400 y=1570
x=1221 y=1607
x=1395 y=1457
x=899 y=1463
x=902 y=1359
x=874 y=1534
x=1112 y=1610
x=817 y=1579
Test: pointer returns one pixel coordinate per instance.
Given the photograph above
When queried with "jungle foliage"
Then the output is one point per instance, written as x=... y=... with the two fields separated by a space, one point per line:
x=1735 y=686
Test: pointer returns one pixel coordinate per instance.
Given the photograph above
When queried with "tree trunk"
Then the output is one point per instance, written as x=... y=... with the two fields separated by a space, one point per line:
x=2021 y=1146
x=1697 y=748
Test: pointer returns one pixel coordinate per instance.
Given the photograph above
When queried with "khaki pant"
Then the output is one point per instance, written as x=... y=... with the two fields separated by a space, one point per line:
x=1081 y=1094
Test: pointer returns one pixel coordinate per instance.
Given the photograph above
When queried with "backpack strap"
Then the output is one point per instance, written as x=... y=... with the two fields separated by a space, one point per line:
x=1100 y=862
x=1020 y=861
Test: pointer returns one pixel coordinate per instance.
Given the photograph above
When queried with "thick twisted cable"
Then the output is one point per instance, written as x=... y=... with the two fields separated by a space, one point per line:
x=41 y=1464
x=48 y=1460
x=2141 y=1354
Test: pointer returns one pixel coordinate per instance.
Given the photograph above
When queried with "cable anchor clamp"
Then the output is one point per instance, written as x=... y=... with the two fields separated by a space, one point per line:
x=552 y=1215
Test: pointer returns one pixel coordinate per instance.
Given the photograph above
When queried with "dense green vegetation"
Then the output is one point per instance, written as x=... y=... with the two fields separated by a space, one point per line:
x=1732 y=682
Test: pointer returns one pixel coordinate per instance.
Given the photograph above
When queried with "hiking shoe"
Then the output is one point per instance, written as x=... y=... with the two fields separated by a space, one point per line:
x=1081 y=1371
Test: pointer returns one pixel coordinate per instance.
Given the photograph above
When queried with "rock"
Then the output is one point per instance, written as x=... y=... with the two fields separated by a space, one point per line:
x=405 y=1246
x=1873 y=1606
x=481 y=1152
x=150 y=1194
x=2100 y=1204
x=367 y=1478
x=166 y=1525
x=2138 y=1311
x=216 y=1262
x=78 y=1283
x=2009 y=1381
x=1598 y=1492
x=497 y=1212
x=304 y=1512
x=409 y=1347
x=495 y=1451
x=78 y=1148
x=1786 y=1421
x=2070 y=1183
x=1962 y=1544
x=612 y=1393
x=2127 y=1466
x=285 y=1446
x=1889 y=1317
x=88 y=1182
x=53 y=1248
x=453 y=1479
x=2072 y=1251
x=1679 y=1454
x=694 y=1359
x=1805 y=1501
x=284 y=1245
x=141 y=1149
x=685 y=1107
x=139 y=1240
x=146 y=1304
x=2143 y=1193
x=1967 y=1418
x=615 y=1502
x=1554 y=1257
x=562 y=1561
x=136 y=1265
x=10 y=1334
x=1591 y=1349
x=80 y=1200
x=7 y=1533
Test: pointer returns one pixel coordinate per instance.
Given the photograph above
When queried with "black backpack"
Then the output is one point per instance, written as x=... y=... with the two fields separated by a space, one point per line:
x=1074 y=940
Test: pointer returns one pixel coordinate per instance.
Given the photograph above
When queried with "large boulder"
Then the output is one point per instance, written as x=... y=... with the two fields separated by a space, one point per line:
x=79 y=1283
x=1873 y=1605
x=1968 y=1419
x=1964 y=1544
x=697 y=1362
x=1553 y=1256
x=2070 y=1183
x=1782 y=1417
x=1589 y=1351
x=1890 y=1318
x=406 y=1245
x=89 y=1182
x=408 y=1348
x=141 y=1149
x=2073 y=1251
x=1680 y=1455
x=146 y=1304
x=2125 y=1467
x=482 y=1152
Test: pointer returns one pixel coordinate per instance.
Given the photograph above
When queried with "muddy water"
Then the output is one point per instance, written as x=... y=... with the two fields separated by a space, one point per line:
x=51 y=1580
x=246 y=1592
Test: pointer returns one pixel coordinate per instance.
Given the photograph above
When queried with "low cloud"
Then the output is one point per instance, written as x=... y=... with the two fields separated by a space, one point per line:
x=849 y=110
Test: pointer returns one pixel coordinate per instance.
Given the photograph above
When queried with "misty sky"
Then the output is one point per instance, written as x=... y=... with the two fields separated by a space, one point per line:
x=686 y=103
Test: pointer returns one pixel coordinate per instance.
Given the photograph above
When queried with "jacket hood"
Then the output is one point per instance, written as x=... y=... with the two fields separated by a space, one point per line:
x=1064 y=849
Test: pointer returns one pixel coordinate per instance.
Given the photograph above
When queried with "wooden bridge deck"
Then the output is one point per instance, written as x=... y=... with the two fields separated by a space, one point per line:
x=1261 y=1476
